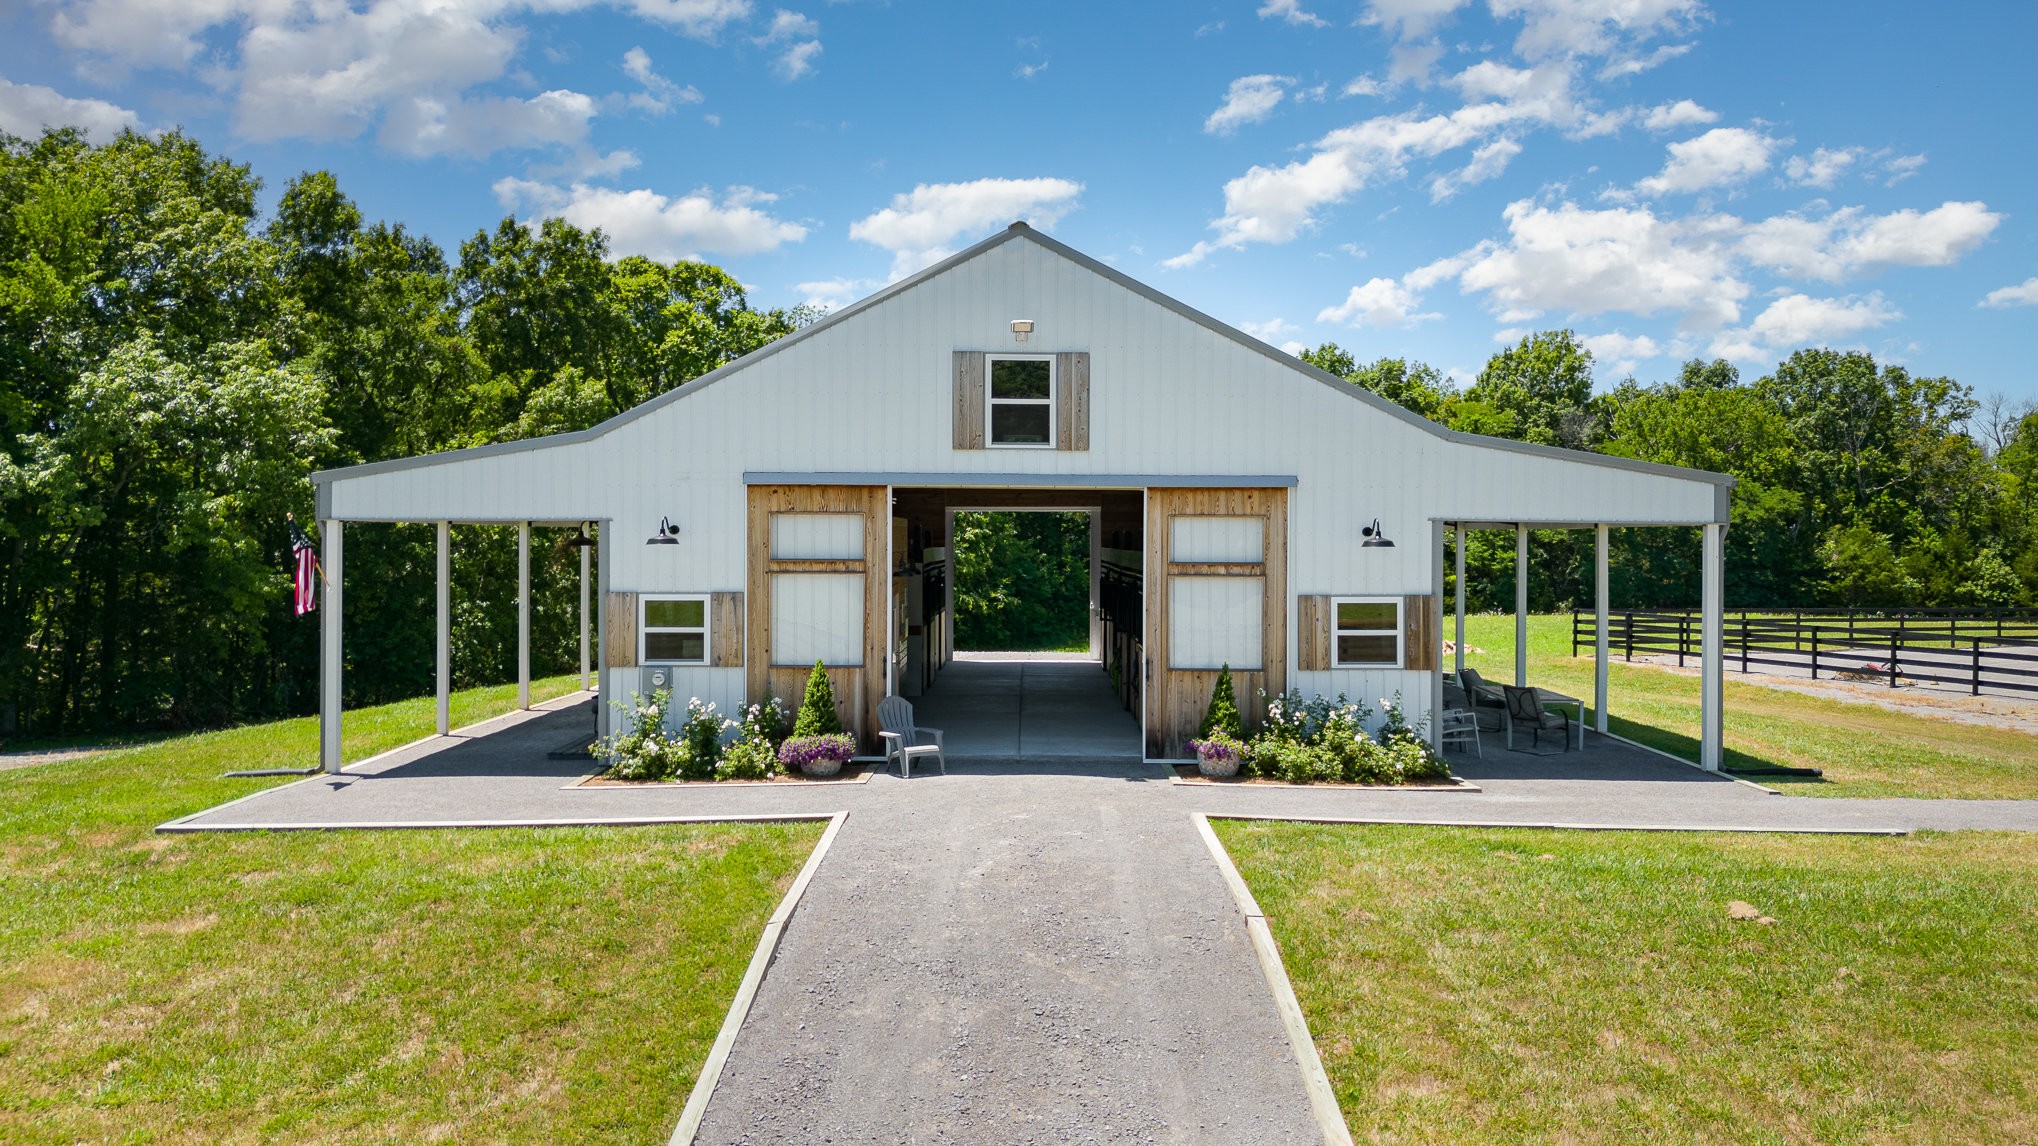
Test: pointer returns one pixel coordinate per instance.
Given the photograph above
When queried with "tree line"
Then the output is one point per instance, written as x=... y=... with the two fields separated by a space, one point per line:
x=174 y=365
x=1861 y=484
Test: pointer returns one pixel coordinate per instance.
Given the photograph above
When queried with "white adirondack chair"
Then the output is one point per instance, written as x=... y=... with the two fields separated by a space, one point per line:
x=901 y=736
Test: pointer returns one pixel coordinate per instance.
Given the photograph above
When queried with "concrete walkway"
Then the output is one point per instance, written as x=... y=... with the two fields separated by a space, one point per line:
x=1028 y=706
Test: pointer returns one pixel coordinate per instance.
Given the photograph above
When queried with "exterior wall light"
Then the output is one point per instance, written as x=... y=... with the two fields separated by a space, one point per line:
x=668 y=533
x=1021 y=329
x=580 y=540
x=1375 y=537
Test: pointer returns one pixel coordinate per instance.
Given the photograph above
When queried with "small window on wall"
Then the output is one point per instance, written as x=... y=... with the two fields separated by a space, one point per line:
x=1366 y=632
x=675 y=631
x=1020 y=411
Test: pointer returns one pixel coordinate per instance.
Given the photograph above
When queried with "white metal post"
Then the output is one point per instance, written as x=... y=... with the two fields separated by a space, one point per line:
x=1711 y=750
x=443 y=630
x=1602 y=633
x=604 y=683
x=1521 y=606
x=583 y=611
x=1436 y=679
x=329 y=650
x=523 y=614
x=1459 y=640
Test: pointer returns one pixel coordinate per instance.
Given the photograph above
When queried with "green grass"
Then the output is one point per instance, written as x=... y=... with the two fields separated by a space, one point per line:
x=1864 y=750
x=472 y=986
x=1532 y=986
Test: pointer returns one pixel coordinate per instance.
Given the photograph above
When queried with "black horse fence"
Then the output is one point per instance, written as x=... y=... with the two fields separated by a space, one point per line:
x=1992 y=651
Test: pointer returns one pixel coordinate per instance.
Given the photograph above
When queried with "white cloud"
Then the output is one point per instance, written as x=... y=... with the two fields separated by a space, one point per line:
x=1721 y=156
x=1629 y=65
x=1278 y=332
x=1408 y=17
x=406 y=69
x=1621 y=353
x=1797 y=320
x=1848 y=241
x=920 y=225
x=801 y=37
x=1683 y=113
x=1902 y=167
x=1487 y=163
x=1249 y=100
x=660 y=94
x=644 y=222
x=1822 y=168
x=1553 y=28
x=1291 y=11
x=1364 y=86
x=1411 y=63
x=1380 y=303
x=26 y=109
x=834 y=294
x=2023 y=294
x=1579 y=261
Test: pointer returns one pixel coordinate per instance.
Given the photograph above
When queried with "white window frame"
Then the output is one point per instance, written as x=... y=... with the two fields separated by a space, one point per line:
x=644 y=629
x=992 y=402
x=1337 y=661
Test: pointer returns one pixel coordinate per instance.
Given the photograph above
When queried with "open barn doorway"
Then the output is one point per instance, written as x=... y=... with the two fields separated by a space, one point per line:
x=1009 y=614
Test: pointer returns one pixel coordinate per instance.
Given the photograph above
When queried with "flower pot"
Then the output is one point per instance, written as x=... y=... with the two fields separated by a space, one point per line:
x=821 y=766
x=1216 y=764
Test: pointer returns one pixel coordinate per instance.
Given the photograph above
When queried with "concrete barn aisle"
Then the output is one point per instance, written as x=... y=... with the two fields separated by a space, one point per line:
x=1015 y=958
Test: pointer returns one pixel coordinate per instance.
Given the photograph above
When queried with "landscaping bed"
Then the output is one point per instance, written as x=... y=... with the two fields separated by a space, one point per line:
x=1188 y=774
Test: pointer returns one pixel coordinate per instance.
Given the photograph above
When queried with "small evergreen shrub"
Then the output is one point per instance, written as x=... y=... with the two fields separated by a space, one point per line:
x=1222 y=715
x=817 y=708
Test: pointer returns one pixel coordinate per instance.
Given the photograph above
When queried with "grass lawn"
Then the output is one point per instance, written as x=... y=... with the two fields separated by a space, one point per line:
x=1501 y=986
x=1865 y=750
x=470 y=986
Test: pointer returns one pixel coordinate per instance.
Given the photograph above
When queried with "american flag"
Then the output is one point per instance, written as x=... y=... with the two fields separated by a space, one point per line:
x=308 y=571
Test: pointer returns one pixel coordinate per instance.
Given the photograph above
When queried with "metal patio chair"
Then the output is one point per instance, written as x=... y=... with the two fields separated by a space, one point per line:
x=1525 y=712
x=1460 y=725
x=901 y=736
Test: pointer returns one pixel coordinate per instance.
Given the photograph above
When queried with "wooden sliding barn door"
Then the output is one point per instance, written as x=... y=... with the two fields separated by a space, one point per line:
x=1216 y=595
x=816 y=590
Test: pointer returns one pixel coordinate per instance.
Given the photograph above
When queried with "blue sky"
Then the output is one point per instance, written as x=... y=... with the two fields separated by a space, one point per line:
x=1428 y=178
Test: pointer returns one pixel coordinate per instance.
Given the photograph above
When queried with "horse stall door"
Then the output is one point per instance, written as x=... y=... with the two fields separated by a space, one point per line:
x=1217 y=593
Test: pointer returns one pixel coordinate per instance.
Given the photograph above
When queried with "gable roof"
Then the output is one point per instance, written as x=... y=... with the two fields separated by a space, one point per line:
x=1020 y=231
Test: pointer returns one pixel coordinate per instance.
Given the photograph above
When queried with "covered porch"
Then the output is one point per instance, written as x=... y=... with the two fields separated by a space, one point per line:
x=1712 y=627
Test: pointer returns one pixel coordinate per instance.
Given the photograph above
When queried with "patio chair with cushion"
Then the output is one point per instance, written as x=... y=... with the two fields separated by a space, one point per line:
x=1525 y=712
x=1486 y=716
x=902 y=736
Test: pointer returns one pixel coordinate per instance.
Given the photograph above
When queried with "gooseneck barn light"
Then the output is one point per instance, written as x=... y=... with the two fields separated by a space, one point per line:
x=668 y=533
x=1375 y=538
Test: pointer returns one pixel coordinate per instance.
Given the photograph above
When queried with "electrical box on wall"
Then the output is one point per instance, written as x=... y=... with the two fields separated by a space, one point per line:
x=656 y=678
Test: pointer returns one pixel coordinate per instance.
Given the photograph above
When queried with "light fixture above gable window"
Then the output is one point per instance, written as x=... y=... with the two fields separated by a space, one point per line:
x=1022 y=328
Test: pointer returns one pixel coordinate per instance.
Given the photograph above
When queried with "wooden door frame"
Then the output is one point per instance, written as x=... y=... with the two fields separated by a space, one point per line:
x=1273 y=568
x=867 y=681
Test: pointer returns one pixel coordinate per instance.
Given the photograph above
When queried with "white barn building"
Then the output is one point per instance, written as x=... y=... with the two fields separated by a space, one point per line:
x=811 y=484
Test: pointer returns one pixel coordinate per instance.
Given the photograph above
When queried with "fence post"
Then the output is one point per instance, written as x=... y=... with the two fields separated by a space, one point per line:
x=1683 y=634
x=1977 y=666
x=1815 y=652
x=1574 y=632
x=1744 y=644
x=1895 y=635
x=1627 y=621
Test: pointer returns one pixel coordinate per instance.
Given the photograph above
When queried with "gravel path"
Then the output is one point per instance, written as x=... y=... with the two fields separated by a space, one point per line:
x=1016 y=959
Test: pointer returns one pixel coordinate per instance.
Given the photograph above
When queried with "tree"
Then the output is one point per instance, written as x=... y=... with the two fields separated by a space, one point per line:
x=1544 y=384
x=817 y=715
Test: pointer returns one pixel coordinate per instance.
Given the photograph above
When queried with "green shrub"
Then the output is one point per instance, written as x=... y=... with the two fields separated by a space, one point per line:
x=817 y=708
x=700 y=740
x=1222 y=715
x=1294 y=762
x=766 y=721
x=751 y=758
x=644 y=750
